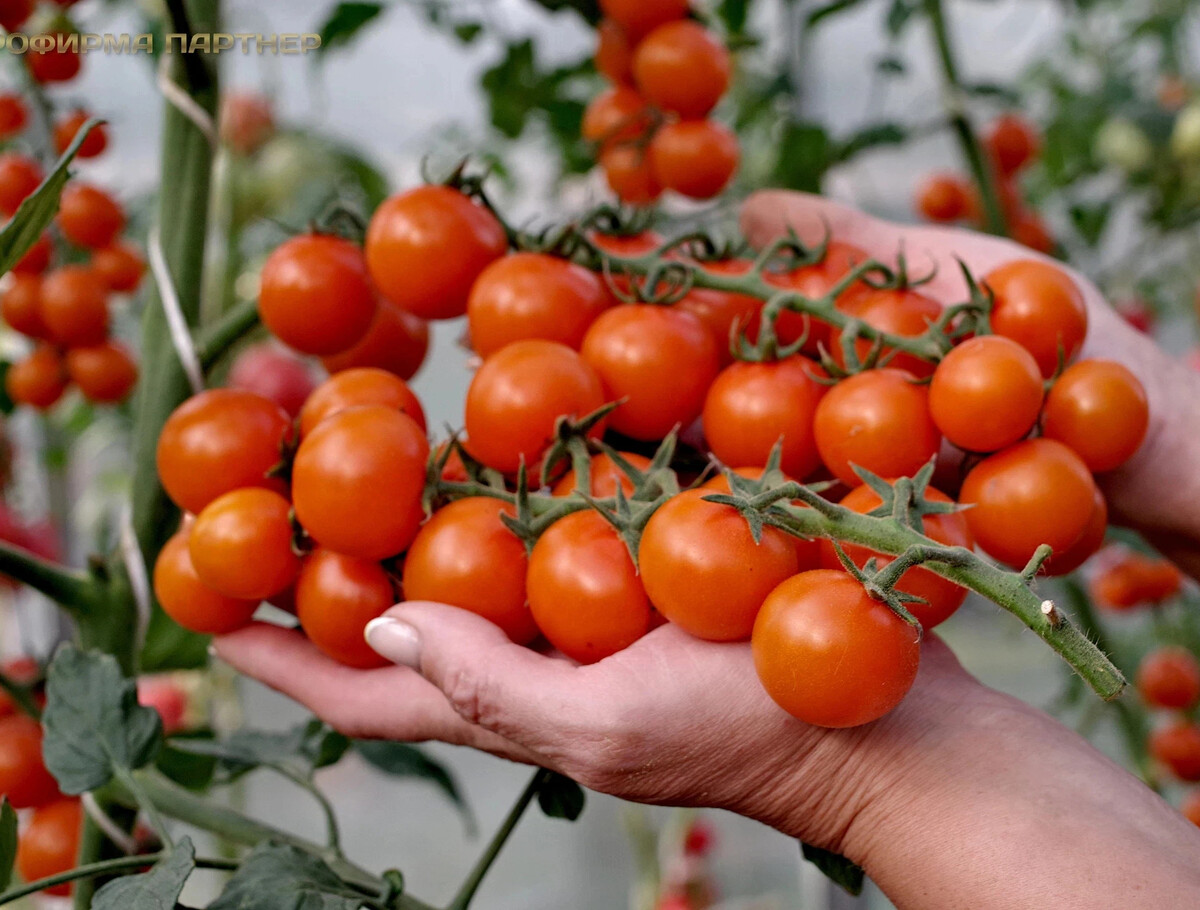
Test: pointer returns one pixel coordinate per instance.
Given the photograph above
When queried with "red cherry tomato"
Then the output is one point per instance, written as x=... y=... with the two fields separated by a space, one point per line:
x=247 y=122
x=613 y=59
x=898 y=312
x=105 y=373
x=49 y=844
x=352 y=388
x=89 y=217
x=808 y=552
x=21 y=306
x=14 y=114
x=336 y=596
x=120 y=265
x=616 y=116
x=65 y=130
x=272 y=373
x=1038 y=306
x=39 y=380
x=241 y=545
x=604 y=475
x=61 y=63
x=1177 y=746
x=723 y=312
x=19 y=177
x=190 y=602
x=943 y=198
x=397 y=341
x=637 y=17
x=1169 y=678
x=1135 y=580
x=682 y=68
x=695 y=158
x=23 y=775
x=1089 y=542
x=1099 y=409
x=1011 y=143
x=813 y=281
x=628 y=172
x=37 y=258
x=74 y=306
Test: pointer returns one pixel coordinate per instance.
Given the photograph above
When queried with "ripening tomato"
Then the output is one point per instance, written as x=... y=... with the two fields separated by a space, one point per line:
x=23 y=775
x=89 y=217
x=24 y=671
x=704 y=572
x=660 y=359
x=1134 y=580
x=752 y=406
x=217 y=441
x=517 y=396
x=626 y=245
x=1169 y=678
x=1099 y=409
x=39 y=380
x=167 y=698
x=604 y=476
x=682 y=68
x=1177 y=746
x=336 y=596
x=637 y=17
x=14 y=114
x=1030 y=229
x=59 y=64
x=617 y=115
x=878 y=420
x=1011 y=143
x=65 y=130
x=21 y=306
x=37 y=258
x=629 y=174
x=105 y=373
x=532 y=295
x=1089 y=542
x=120 y=265
x=19 y=177
x=13 y=13
x=315 y=295
x=425 y=248
x=49 y=843
x=808 y=552
x=813 y=281
x=241 y=544
x=1037 y=491
x=943 y=198
x=247 y=122
x=986 y=394
x=74 y=306
x=466 y=557
x=831 y=655
x=899 y=312
x=696 y=158
x=942 y=595
x=1040 y=307
x=584 y=590
x=724 y=312
x=188 y=601
x=1190 y=807
x=357 y=481
x=397 y=341
x=274 y=373
x=362 y=386
x=1136 y=312
x=613 y=59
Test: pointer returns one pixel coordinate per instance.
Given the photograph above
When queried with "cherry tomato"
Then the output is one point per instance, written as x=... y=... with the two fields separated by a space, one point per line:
x=426 y=247
x=704 y=572
x=274 y=374
x=65 y=130
x=986 y=394
x=878 y=420
x=23 y=775
x=637 y=17
x=1029 y=229
x=247 y=122
x=89 y=217
x=105 y=373
x=1011 y=143
x=813 y=281
x=59 y=64
x=14 y=114
x=1136 y=312
x=614 y=56
x=517 y=396
x=21 y=670
x=1099 y=409
x=37 y=258
x=723 y=312
x=241 y=544
x=584 y=590
x=315 y=295
x=943 y=198
x=1089 y=542
x=20 y=175
x=188 y=601
x=532 y=295
x=39 y=380
x=682 y=68
x=696 y=158
x=1134 y=580
x=1169 y=678
x=357 y=481
x=625 y=245
x=13 y=13
x=74 y=306
x=465 y=556
x=336 y=596
x=660 y=359
x=830 y=655
x=604 y=475
x=629 y=174
x=943 y=595
x=1038 y=306
x=397 y=341
x=120 y=265
x=21 y=306
x=1190 y=807
x=808 y=552
x=752 y=406
x=363 y=386
x=615 y=116
x=899 y=312
x=1177 y=746
x=1037 y=491
x=49 y=844
x=217 y=441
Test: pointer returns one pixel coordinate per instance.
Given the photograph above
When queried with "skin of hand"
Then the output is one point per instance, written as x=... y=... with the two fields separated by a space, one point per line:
x=961 y=797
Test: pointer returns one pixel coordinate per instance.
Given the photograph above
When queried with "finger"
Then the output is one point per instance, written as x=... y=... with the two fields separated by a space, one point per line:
x=388 y=703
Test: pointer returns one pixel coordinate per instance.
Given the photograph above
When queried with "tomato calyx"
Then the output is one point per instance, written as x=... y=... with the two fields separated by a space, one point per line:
x=905 y=500
x=342 y=221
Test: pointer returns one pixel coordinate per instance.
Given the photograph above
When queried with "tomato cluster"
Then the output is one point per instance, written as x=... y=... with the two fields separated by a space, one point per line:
x=651 y=128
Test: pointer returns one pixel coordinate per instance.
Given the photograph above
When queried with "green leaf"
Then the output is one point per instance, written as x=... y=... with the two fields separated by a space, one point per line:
x=899 y=14
x=822 y=13
x=561 y=797
x=344 y=24
x=805 y=153
x=94 y=724
x=7 y=405
x=996 y=91
x=734 y=13
x=467 y=32
x=307 y=747
x=8 y=842
x=837 y=868
x=158 y=889
x=872 y=137
x=276 y=877
x=1091 y=220
x=404 y=760
x=37 y=211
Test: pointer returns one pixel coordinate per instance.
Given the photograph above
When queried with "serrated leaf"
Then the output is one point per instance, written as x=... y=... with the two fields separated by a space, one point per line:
x=561 y=797
x=276 y=877
x=309 y=746
x=8 y=842
x=837 y=868
x=38 y=209
x=404 y=760
x=94 y=724
x=344 y=24
x=158 y=889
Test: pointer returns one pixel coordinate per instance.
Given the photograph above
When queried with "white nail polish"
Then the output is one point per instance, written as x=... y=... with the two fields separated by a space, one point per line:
x=397 y=641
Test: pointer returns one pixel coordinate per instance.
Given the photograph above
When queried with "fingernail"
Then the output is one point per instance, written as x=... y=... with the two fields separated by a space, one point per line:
x=397 y=641
x=212 y=652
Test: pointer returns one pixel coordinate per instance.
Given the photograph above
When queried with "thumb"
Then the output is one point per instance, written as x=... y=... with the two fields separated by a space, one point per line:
x=770 y=214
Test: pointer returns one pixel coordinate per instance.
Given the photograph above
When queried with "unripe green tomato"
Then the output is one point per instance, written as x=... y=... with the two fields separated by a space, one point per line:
x=1185 y=137
x=1122 y=144
x=287 y=164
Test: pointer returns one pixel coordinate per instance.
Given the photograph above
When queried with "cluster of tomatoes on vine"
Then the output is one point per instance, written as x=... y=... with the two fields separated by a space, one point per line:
x=651 y=128
x=59 y=64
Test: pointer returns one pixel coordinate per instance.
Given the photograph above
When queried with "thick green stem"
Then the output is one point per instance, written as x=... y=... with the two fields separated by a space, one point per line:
x=237 y=322
x=105 y=867
x=77 y=592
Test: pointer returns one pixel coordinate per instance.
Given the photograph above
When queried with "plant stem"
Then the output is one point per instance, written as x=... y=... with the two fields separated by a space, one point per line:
x=21 y=696
x=466 y=893
x=956 y=110
x=237 y=322
x=75 y=591
x=333 y=833
x=94 y=870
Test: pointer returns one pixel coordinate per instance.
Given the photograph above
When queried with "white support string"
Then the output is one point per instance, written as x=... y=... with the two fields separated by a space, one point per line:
x=181 y=335
x=139 y=577
x=185 y=103
x=125 y=843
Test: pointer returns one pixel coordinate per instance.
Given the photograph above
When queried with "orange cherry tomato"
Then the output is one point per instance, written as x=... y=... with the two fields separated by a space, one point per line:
x=1169 y=678
x=617 y=115
x=629 y=174
x=21 y=306
x=604 y=475
x=362 y=386
x=397 y=341
x=74 y=306
x=89 y=217
x=49 y=844
x=1040 y=307
x=1136 y=580
x=637 y=17
x=1011 y=143
x=1089 y=542
x=695 y=158
x=808 y=552
x=65 y=130
x=39 y=380
x=614 y=56
x=898 y=312
x=1177 y=746
x=191 y=603
x=105 y=373
x=23 y=775
x=682 y=68
x=20 y=175
x=943 y=198
x=241 y=544
x=336 y=596
x=1099 y=409
x=120 y=265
